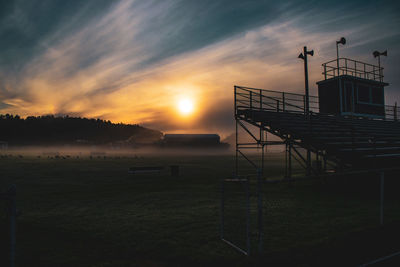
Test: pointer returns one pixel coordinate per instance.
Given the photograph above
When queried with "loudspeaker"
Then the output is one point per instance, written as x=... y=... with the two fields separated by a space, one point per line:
x=342 y=41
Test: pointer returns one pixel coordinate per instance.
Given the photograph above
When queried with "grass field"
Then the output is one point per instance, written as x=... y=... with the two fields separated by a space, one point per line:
x=91 y=212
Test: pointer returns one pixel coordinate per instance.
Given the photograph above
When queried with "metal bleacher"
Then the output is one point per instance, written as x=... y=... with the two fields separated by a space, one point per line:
x=351 y=142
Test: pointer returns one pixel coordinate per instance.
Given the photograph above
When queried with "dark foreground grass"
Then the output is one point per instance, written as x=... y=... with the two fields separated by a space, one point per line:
x=91 y=212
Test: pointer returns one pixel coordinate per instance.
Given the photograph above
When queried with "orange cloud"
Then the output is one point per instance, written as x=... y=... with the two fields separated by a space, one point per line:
x=98 y=71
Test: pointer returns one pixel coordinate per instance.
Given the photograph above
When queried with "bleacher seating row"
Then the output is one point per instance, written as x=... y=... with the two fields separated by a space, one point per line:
x=354 y=141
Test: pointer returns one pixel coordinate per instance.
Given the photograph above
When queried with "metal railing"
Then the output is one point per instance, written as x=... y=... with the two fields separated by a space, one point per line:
x=268 y=100
x=392 y=113
x=346 y=66
x=261 y=99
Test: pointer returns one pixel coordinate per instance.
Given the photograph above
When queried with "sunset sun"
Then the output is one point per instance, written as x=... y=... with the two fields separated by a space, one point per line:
x=185 y=106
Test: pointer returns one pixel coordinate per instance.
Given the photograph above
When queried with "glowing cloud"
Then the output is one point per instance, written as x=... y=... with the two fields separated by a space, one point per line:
x=116 y=67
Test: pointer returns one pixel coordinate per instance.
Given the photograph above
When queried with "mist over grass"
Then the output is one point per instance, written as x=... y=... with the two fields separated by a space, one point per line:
x=107 y=151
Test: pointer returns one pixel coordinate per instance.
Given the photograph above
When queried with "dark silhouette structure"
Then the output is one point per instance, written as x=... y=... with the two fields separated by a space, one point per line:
x=347 y=129
x=348 y=126
x=352 y=88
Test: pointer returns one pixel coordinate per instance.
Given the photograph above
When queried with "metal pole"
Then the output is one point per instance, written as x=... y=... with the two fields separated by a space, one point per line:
x=382 y=195
x=290 y=159
x=236 y=136
x=379 y=68
x=260 y=213
x=12 y=209
x=262 y=139
x=248 y=244
x=237 y=150
x=306 y=80
x=286 y=159
x=308 y=171
x=307 y=106
x=222 y=208
x=337 y=58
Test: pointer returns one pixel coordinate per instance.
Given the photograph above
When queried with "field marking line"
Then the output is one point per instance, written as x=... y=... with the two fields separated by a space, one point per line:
x=380 y=259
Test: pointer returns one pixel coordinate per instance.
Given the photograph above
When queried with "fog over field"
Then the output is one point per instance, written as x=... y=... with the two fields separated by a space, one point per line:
x=106 y=151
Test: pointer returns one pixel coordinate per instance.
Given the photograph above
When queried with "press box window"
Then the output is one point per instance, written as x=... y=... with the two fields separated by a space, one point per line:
x=363 y=94
x=377 y=95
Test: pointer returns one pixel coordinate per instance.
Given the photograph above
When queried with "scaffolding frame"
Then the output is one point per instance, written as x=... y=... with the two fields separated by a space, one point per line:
x=263 y=100
x=253 y=99
x=260 y=99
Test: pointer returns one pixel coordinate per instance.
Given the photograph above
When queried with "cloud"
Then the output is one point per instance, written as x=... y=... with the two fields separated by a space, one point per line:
x=134 y=62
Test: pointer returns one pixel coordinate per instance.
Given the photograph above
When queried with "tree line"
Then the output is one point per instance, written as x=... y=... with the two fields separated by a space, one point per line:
x=59 y=130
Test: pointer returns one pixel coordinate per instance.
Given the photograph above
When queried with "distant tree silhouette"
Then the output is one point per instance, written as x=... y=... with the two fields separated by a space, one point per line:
x=52 y=130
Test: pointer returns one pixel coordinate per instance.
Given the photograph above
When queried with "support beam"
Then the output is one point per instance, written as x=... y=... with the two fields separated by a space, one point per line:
x=288 y=159
x=251 y=162
x=237 y=147
x=247 y=130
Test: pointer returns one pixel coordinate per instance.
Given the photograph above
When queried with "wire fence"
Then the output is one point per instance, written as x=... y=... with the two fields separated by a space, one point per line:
x=335 y=212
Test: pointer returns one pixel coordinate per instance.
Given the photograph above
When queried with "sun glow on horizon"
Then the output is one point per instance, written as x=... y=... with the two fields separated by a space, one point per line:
x=185 y=106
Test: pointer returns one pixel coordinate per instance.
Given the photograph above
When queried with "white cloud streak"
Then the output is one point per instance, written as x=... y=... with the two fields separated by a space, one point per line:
x=99 y=70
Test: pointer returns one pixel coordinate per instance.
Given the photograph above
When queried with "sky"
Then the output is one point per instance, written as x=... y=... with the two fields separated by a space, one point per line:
x=135 y=61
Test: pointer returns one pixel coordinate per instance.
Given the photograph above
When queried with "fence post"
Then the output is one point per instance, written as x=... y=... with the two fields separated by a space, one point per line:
x=248 y=243
x=260 y=99
x=283 y=101
x=260 y=210
x=222 y=218
x=395 y=111
x=10 y=197
x=382 y=175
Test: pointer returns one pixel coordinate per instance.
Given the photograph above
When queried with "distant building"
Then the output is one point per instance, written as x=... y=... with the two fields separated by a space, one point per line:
x=193 y=140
